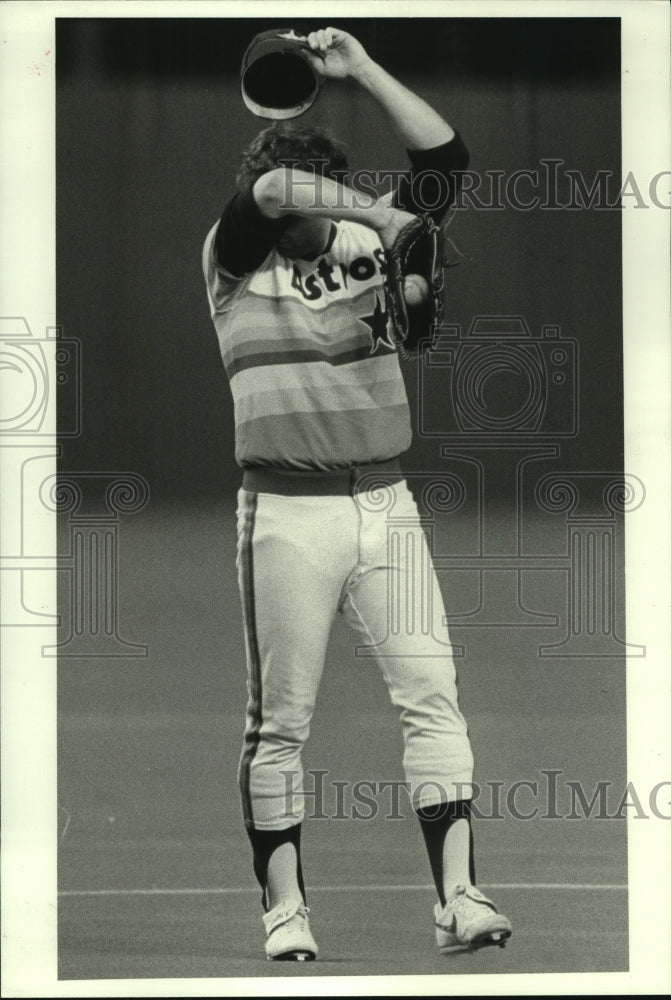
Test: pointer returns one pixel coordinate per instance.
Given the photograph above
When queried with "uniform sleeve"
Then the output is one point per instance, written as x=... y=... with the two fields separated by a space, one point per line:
x=245 y=236
x=434 y=179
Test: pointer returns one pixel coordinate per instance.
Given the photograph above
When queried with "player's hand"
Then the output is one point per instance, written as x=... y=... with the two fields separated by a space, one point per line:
x=394 y=222
x=334 y=54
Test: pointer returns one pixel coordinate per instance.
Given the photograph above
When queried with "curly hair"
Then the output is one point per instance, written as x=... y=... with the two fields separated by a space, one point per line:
x=310 y=149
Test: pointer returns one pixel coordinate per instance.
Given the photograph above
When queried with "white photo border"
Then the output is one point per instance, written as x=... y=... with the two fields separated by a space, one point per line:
x=29 y=806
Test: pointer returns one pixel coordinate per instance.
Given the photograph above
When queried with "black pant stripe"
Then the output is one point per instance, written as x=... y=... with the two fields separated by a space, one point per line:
x=252 y=735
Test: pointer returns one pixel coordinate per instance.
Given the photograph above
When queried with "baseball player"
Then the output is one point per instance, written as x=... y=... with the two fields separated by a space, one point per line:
x=295 y=271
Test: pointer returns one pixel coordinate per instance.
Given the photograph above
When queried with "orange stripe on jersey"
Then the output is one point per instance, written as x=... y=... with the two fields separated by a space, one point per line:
x=294 y=330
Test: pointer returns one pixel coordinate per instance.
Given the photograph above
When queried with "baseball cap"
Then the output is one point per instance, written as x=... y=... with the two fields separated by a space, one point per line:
x=276 y=80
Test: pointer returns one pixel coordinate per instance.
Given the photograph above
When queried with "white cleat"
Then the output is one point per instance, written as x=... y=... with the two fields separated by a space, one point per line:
x=288 y=933
x=469 y=921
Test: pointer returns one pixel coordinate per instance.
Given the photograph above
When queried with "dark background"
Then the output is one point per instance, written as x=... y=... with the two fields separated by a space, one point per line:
x=150 y=126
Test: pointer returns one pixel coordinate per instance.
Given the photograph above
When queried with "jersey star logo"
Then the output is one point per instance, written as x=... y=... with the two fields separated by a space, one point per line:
x=379 y=332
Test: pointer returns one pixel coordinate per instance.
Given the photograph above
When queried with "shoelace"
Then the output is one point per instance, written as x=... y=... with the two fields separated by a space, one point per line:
x=463 y=901
x=289 y=913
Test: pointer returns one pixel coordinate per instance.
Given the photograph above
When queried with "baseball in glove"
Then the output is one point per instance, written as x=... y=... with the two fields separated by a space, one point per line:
x=414 y=285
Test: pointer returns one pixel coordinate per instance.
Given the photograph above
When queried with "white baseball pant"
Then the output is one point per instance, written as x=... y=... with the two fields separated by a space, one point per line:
x=302 y=559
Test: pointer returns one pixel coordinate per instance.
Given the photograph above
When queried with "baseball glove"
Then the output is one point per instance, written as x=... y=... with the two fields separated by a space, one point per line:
x=417 y=251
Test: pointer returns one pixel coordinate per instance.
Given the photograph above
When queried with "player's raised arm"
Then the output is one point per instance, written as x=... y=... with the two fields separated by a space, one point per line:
x=434 y=148
x=336 y=54
x=289 y=191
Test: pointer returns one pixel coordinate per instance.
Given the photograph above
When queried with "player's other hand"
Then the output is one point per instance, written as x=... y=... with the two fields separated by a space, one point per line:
x=335 y=54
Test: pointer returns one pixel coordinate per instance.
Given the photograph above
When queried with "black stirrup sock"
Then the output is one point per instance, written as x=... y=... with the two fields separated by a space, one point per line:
x=435 y=821
x=264 y=843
